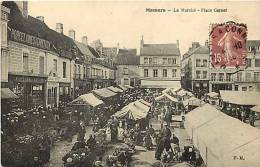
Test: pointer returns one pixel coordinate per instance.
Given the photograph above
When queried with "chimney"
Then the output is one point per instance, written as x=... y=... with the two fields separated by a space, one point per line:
x=59 y=28
x=195 y=45
x=84 y=40
x=23 y=7
x=72 y=34
x=177 y=44
x=142 y=41
x=41 y=18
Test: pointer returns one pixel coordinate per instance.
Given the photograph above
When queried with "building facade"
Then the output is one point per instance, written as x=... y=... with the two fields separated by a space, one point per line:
x=195 y=69
x=127 y=63
x=160 y=65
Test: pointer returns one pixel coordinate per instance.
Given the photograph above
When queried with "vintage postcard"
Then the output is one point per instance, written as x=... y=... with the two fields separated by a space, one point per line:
x=130 y=83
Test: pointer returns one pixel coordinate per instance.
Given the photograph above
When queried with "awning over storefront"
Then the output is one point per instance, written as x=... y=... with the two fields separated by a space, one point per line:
x=6 y=93
x=87 y=99
x=240 y=97
x=128 y=86
x=256 y=108
x=160 y=84
x=115 y=89
x=104 y=93
x=134 y=111
x=166 y=96
x=222 y=140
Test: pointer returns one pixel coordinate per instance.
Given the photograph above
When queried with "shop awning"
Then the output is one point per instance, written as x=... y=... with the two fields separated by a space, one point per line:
x=240 y=97
x=256 y=108
x=115 y=89
x=6 y=93
x=193 y=101
x=128 y=86
x=220 y=137
x=87 y=99
x=165 y=95
x=160 y=84
x=183 y=92
x=104 y=93
x=145 y=102
x=213 y=94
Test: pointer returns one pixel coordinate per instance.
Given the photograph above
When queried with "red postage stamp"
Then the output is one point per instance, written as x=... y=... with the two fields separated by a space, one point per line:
x=228 y=47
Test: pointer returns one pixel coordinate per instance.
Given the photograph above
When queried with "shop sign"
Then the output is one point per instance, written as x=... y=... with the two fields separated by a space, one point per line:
x=18 y=36
x=26 y=79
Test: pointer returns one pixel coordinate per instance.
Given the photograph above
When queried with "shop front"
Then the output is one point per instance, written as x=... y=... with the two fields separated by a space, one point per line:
x=29 y=89
x=81 y=87
x=200 y=87
x=64 y=93
x=221 y=86
x=52 y=98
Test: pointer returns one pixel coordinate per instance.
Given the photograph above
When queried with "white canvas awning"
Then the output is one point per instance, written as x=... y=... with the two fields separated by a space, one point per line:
x=256 y=108
x=87 y=99
x=145 y=102
x=213 y=94
x=122 y=87
x=104 y=93
x=128 y=86
x=193 y=101
x=240 y=97
x=115 y=89
x=160 y=84
x=165 y=95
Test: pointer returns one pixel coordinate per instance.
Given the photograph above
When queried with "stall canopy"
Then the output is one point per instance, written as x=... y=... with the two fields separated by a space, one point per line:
x=173 y=90
x=104 y=93
x=183 y=92
x=87 y=99
x=134 y=111
x=256 y=108
x=145 y=102
x=213 y=94
x=6 y=93
x=223 y=141
x=165 y=95
x=122 y=87
x=240 y=97
x=128 y=86
x=115 y=89
x=193 y=101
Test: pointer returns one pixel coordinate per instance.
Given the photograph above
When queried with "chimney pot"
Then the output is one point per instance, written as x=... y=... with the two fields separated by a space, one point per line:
x=41 y=18
x=84 y=40
x=59 y=28
x=206 y=43
x=72 y=34
x=177 y=43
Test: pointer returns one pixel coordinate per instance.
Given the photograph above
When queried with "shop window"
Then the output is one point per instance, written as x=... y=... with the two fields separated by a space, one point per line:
x=25 y=62
x=155 y=73
x=64 y=70
x=146 y=73
x=165 y=73
x=174 y=73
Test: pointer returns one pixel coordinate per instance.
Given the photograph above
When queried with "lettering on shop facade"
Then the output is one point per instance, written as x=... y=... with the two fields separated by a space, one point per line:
x=28 y=79
x=18 y=36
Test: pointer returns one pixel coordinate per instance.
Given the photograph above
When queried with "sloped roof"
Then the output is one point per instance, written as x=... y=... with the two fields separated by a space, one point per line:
x=253 y=43
x=94 y=52
x=127 y=59
x=84 y=49
x=198 y=50
x=160 y=49
x=60 y=43
x=127 y=51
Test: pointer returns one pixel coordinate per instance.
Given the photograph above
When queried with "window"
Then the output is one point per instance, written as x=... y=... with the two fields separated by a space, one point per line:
x=155 y=73
x=213 y=76
x=164 y=72
x=173 y=61
x=79 y=71
x=205 y=62
x=25 y=62
x=150 y=60
x=126 y=81
x=239 y=76
x=205 y=73
x=41 y=65
x=125 y=71
x=155 y=60
x=169 y=60
x=256 y=76
x=236 y=87
x=64 y=70
x=248 y=76
x=55 y=68
x=197 y=62
x=228 y=77
x=198 y=74
x=164 y=60
x=145 y=72
x=244 y=88
x=174 y=73
x=257 y=62
x=3 y=34
x=145 y=60
x=84 y=71
x=105 y=74
x=249 y=62
x=221 y=76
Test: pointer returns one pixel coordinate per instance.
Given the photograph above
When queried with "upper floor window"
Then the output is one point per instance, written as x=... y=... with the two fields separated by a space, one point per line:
x=55 y=66
x=41 y=65
x=204 y=74
x=257 y=62
x=198 y=63
x=25 y=62
x=174 y=61
x=145 y=60
x=125 y=71
x=198 y=74
x=155 y=73
x=164 y=60
x=64 y=69
x=84 y=72
x=249 y=62
x=155 y=60
x=164 y=72
x=174 y=73
x=150 y=60
x=239 y=76
x=145 y=72
x=228 y=76
x=248 y=76
x=256 y=76
x=205 y=62
x=213 y=76
x=3 y=33
x=221 y=76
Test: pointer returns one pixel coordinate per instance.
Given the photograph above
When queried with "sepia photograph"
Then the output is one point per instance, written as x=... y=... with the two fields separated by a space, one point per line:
x=132 y=83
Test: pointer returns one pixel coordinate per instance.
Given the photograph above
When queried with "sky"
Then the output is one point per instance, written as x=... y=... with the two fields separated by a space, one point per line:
x=126 y=22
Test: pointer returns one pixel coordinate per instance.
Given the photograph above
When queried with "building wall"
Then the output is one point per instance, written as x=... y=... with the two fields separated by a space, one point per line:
x=125 y=73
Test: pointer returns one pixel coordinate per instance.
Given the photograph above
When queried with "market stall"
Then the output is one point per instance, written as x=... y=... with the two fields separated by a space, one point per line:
x=192 y=103
x=115 y=89
x=211 y=132
x=212 y=98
